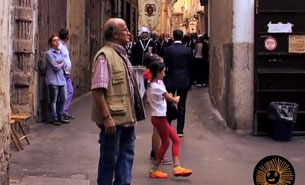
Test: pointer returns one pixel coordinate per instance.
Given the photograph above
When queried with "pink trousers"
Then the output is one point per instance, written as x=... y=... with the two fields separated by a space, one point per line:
x=166 y=133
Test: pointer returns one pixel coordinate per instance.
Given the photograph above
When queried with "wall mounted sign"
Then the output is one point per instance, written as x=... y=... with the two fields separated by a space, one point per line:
x=270 y=43
x=296 y=43
x=280 y=27
x=150 y=10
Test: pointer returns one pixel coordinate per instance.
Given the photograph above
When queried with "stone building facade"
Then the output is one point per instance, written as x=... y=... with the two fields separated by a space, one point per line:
x=232 y=60
x=25 y=28
x=5 y=59
x=23 y=73
x=168 y=15
x=186 y=16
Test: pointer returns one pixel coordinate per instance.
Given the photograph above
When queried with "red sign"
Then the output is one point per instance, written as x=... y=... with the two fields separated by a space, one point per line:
x=270 y=43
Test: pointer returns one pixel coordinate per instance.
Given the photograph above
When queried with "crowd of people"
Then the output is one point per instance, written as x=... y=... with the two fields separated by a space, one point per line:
x=157 y=70
x=155 y=44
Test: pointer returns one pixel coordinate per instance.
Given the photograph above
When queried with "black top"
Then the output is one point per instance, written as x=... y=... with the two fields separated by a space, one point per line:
x=178 y=59
x=137 y=54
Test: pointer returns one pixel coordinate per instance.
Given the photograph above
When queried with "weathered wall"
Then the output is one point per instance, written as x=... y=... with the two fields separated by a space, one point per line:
x=79 y=45
x=5 y=6
x=242 y=68
x=22 y=69
x=231 y=62
x=221 y=23
x=166 y=16
x=178 y=13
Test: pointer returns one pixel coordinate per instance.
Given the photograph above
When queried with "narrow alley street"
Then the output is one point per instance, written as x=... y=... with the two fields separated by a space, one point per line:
x=216 y=154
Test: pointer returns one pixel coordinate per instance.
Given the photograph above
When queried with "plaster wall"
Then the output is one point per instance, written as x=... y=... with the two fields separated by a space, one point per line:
x=202 y=24
x=164 y=16
x=5 y=16
x=179 y=7
x=192 y=7
x=221 y=24
x=79 y=45
x=242 y=68
x=231 y=61
x=178 y=15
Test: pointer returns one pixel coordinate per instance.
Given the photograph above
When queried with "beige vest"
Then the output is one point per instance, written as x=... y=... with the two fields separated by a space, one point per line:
x=118 y=92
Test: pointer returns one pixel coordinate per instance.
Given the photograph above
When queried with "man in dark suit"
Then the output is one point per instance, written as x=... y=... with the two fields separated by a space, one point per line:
x=178 y=58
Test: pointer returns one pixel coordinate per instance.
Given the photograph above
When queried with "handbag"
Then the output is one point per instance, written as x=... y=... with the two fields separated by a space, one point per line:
x=172 y=112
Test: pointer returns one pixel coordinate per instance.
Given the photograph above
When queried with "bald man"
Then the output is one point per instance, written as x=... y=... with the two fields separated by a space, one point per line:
x=117 y=105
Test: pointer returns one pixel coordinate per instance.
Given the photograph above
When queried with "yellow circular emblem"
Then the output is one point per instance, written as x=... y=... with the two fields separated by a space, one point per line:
x=274 y=170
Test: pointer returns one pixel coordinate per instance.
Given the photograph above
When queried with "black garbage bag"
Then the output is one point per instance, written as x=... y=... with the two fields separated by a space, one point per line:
x=283 y=111
x=282 y=116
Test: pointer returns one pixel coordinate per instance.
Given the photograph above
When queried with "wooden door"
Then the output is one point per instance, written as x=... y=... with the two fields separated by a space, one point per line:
x=52 y=15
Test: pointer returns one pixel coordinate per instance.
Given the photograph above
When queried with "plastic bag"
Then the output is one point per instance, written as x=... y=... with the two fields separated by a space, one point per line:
x=283 y=111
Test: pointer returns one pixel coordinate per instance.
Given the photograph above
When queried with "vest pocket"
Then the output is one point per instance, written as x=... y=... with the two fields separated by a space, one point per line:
x=117 y=80
x=117 y=77
x=117 y=110
x=118 y=83
x=117 y=106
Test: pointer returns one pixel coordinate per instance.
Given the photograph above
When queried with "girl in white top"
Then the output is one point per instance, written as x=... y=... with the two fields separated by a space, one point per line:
x=157 y=96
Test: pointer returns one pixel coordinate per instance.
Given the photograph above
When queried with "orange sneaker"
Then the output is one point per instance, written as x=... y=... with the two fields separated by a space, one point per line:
x=180 y=171
x=157 y=174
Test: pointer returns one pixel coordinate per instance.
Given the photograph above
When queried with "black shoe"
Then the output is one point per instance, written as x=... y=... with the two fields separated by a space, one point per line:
x=55 y=122
x=64 y=121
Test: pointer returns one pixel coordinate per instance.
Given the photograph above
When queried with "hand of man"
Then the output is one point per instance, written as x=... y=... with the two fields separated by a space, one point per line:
x=110 y=127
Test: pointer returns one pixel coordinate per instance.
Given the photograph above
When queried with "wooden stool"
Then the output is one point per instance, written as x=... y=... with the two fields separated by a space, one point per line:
x=18 y=136
x=14 y=137
x=17 y=131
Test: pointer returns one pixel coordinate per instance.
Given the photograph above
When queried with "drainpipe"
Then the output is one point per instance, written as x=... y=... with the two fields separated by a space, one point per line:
x=242 y=66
